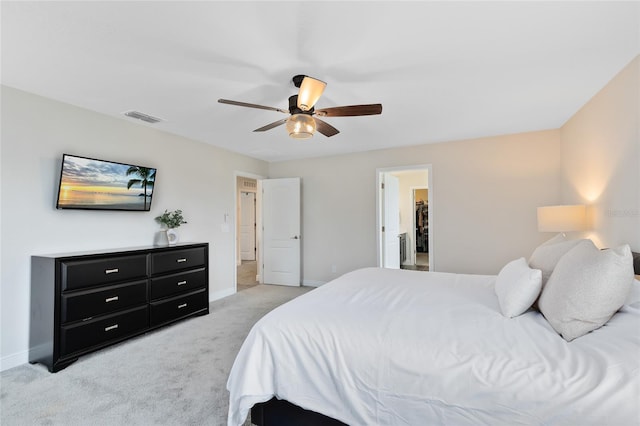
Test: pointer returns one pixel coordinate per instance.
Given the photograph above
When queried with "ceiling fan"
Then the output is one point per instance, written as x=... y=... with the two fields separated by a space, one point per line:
x=303 y=120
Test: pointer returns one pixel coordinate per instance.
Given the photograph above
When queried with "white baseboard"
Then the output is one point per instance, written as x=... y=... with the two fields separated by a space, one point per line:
x=14 y=360
x=312 y=283
x=221 y=294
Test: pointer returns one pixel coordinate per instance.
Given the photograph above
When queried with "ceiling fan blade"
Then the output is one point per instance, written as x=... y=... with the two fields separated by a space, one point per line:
x=272 y=125
x=325 y=128
x=350 y=110
x=245 y=104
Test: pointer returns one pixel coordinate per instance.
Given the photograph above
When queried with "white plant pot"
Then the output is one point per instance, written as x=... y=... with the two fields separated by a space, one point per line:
x=173 y=237
x=162 y=238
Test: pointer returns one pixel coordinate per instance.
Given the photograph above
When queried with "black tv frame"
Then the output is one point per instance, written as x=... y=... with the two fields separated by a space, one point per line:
x=112 y=206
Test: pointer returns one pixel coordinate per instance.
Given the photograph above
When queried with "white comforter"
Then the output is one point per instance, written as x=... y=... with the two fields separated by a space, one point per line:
x=395 y=347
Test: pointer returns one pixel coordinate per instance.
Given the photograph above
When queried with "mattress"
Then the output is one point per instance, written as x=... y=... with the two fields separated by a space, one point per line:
x=396 y=347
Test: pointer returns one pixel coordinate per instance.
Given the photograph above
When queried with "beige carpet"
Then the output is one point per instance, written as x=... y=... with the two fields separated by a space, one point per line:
x=173 y=376
x=247 y=272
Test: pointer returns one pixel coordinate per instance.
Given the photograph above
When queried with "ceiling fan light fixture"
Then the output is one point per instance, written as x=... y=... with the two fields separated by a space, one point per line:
x=303 y=122
x=301 y=126
x=310 y=91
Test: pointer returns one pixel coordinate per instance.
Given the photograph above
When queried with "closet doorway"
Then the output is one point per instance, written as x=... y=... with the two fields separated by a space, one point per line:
x=413 y=211
x=420 y=227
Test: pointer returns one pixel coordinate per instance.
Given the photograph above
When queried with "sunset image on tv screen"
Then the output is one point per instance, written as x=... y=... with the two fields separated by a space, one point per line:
x=95 y=184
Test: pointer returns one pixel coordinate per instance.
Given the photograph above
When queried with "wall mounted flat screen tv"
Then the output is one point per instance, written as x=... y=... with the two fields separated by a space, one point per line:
x=90 y=184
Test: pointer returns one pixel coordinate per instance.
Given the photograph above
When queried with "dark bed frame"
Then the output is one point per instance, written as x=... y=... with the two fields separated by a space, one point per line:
x=276 y=412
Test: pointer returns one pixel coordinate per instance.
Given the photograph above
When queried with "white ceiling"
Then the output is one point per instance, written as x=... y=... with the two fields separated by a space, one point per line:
x=442 y=70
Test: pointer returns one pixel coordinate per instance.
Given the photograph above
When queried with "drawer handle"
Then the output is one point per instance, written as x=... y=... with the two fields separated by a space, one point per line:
x=111 y=299
x=182 y=260
x=184 y=305
x=182 y=282
x=111 y=271
x=111 y=327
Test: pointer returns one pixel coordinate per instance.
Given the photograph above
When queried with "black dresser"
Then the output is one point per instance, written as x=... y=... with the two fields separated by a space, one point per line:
x=82 y=302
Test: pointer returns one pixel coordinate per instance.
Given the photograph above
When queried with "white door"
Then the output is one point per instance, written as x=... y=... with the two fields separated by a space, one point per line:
x=248 y=226
x=281 y=231
x=391 y=221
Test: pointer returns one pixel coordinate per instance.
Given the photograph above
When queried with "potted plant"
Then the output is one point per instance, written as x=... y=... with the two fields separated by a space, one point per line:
x=170 y=221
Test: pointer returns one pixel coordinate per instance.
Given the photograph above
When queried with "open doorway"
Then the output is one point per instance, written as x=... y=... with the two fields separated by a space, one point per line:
x=247 y=246
x=405 y=208
x=420 y=229
x=267 y=231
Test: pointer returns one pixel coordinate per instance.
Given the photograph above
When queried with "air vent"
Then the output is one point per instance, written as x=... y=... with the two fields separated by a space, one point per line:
x=143 y=117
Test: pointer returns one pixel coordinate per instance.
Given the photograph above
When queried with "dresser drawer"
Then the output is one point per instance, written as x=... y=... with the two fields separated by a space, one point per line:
x=177 y=260
x=178 y=283
x=177 y=307
x=86 y=273
x=102 y=330
x=92 y=303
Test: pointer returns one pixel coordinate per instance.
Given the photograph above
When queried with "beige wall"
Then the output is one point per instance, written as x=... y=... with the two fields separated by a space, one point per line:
x=195 y=177
x=601 y=160
x=422 y=195
x=406 y=181
x=485 y=194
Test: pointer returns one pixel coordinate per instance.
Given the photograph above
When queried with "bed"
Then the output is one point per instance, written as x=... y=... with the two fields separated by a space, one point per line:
x=398 y=347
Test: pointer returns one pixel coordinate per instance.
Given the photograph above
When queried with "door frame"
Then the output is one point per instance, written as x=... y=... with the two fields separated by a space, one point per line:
x=236 y=234
x=379 y=207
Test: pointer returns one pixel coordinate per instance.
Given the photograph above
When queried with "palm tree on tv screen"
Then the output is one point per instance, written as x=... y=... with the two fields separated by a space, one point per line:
x=147 y=177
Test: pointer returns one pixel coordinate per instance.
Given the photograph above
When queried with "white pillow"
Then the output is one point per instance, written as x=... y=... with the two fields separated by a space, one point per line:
x=546 y=256
x=586 y=288
x=517 y=287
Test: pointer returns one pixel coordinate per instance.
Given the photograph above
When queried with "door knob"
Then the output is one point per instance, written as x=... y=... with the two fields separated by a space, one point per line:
x=295 y=237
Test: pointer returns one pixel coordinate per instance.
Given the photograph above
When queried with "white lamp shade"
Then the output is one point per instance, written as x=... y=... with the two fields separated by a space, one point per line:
x=309 y=93
x=562 y=218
